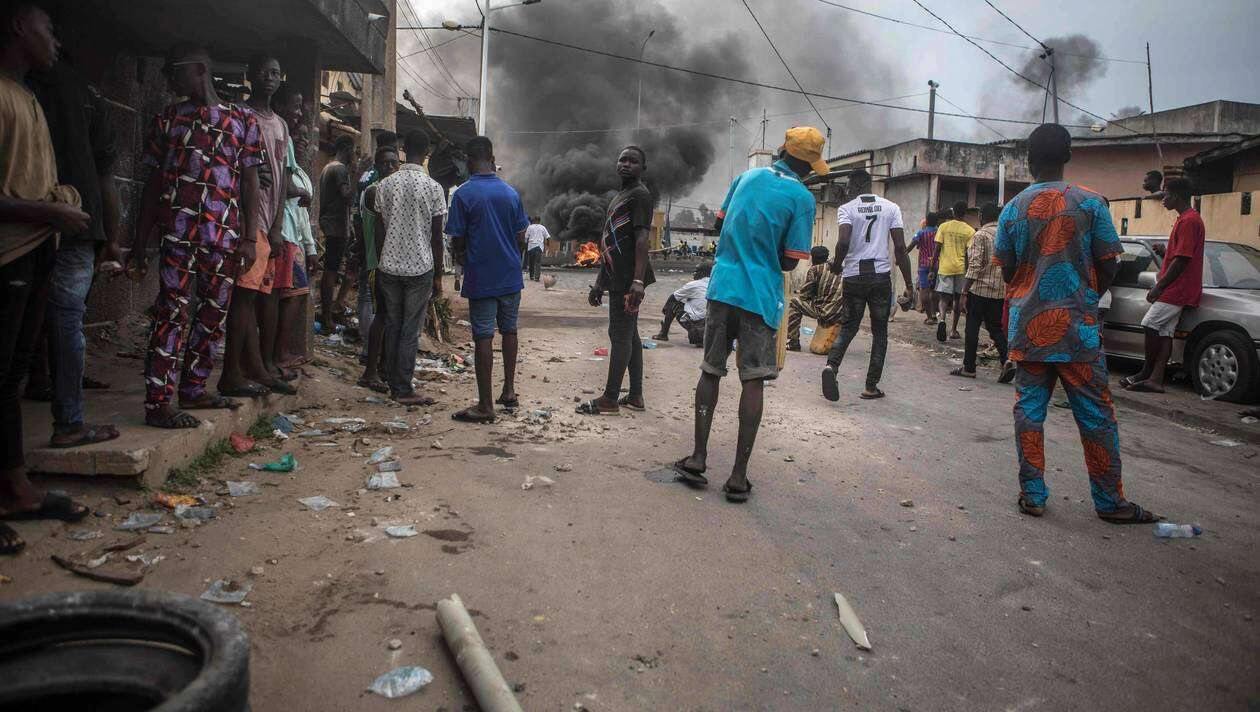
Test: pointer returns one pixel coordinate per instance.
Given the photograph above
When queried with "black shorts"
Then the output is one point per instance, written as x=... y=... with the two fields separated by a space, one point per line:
x=334 y=252
x=757 y=358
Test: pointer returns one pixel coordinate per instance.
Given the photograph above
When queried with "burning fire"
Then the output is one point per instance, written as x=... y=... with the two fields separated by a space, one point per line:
x=587 y=255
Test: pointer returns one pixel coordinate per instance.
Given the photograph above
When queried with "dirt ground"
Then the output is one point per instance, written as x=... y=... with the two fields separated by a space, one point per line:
x=614 y=588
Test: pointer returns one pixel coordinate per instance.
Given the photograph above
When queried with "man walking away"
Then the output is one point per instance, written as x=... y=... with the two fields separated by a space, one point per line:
x=688 y=304
x=335 y=191
x=487 y=229
x=625 y=271
x=819 y=297
x=535 y=239
x=982 y=295
x=201 y=198
x=1056 y=244
x=385 y=165
x=949 y=265
x=866 y=224
x=766 y=224
x=411 y=206
x=925 y=241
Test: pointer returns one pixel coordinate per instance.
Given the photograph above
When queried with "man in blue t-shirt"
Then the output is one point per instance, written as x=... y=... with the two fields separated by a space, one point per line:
x=766 y=225
x=487 y=227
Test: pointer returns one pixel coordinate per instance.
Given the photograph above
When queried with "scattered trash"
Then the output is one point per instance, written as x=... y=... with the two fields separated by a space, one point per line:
x=906 y=503
x=164 y=529
x=475 y=662
x=807 y=331
x=84 y=535
x=283 y=423
x=402 y=531
x=383 y=480
x=381 y=455
x=279 y=434
x=1168 y=530
x=1249 y=419
x=789 y=458
x=139 y=520
x=394 y=427
x=1226 y=443
x=375 y=400
x=121 y=578
x=242 y=489
x=426 y=420
x=286 y=463
x=227 y=591
x=544 y=480
x=594 y=358
x=318 y=503
x=148 y=560
x=964 y=388
x=538 y=416
x=241 y=443
x=171 y=501
x=601 y=351
x=852 y=626
x=401 y=682
x=312 y=433
x=394 y=644
x=199 y=514
x=649 y=345
x=349 y=425
x=564 y=468
x=389 y=466
x=437 y=445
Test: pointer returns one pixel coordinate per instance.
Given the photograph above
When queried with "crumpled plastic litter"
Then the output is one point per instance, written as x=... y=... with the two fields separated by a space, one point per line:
x=395 y=426
x=312 y=433
x=149 y=559
x=649 y=345
x=164 y=529
x=601 y=351
x=389 y=466
x=222 y=591
x=402 y=532
x=171 y=501
x=318 y=503
x=381 y=455
x=241 y=443
x=84 y=535
x=383 y=480
x=807 y=331
x=286 y=463
x=242 y=489
x=188 y=513
x=139 y=520
x=349 y=425
x=544 y=480
x=283 y=423
x=401 y=681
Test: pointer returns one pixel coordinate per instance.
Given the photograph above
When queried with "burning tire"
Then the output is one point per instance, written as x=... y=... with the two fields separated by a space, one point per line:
x=116 y=651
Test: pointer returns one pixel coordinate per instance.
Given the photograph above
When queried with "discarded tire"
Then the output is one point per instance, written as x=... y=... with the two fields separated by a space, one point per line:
x=113 y=651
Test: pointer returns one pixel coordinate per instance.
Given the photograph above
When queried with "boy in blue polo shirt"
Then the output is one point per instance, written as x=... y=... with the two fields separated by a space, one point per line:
x=766 y=225
x=487 y=227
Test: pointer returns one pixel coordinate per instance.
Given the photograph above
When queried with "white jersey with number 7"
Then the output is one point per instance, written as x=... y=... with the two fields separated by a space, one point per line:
x=873 y=219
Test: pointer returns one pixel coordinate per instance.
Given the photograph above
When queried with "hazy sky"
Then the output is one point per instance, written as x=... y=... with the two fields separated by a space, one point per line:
x=1200 y=51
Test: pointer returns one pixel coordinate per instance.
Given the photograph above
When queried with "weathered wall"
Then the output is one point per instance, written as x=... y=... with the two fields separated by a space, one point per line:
x=953 y=158
x=1222 y=216
x=1211 y=117
x=1117 y=171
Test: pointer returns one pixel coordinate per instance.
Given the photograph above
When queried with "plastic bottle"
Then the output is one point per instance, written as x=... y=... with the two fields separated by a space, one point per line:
x=1168 y=530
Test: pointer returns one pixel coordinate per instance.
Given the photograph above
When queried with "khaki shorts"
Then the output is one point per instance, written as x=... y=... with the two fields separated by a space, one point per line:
x=723 y=326
x=1162 y=318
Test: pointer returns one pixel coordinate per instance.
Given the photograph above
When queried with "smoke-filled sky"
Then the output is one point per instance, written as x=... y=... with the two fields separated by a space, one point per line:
x=1200 y=52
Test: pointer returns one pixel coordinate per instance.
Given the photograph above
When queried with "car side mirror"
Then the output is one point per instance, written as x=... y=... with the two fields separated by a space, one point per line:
x=1147 y=279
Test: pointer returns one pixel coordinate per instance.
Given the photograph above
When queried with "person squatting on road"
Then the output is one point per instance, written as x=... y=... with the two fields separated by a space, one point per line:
x=625 y=271
x=688 y=305
x=820 y=297
x=1057 y=244
x=982 y=296
x=866 y=224
x=487 y=228
x=766 y=226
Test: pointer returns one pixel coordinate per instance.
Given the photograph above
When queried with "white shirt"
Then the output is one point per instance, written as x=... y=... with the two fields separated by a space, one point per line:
x=693 y=296
x=408 y=201
x=536 y=236
x=873 y=219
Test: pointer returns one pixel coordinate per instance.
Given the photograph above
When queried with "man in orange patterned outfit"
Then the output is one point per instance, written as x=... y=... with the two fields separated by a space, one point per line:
x=1057 y=247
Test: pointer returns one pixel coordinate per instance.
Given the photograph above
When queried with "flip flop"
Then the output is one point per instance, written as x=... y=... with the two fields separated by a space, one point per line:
x=625 y=401
x=1127 y=381
x=590 y=408
x=414 y=399
x=1008 y=372
x=88 y=435
x=831 y=389
x=940 y=331
x=688 y=476
x=737 y=496
x=209 y=402
x=53 y=506
x=252 y=390
x=374 y=385
x=10 y=542
x=871 y=396
x=177 y=420
x=1133 y=514
x=510 y=404
x=281 y=387
x=1027 y=507
x=960 y=372
x=1144 y=387
x=468 y=416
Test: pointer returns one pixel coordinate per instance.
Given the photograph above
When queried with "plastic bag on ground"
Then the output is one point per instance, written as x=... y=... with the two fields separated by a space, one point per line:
x=241 y=443
x=222 y=591
x=318 y=503
x=401 y=682
x=285 y=464
x=402 y=532
x=383 y=480
x=283 y=423
x=242 y=489
x=139 y=520
x=381 y=455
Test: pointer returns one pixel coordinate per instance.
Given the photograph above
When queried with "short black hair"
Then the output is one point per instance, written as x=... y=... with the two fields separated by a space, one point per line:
x=933 y=219
x=1180 y=187
x=636 y=149
x=258 y=60
x=859 y=177
x=818 y=254
x=989 y=212
x=285 y=92
x=960 y=210
x=11 y=10
x=704 y=269
x=1049 y=145
x=416 y=144
x=386 y=138
x=382 y=150
x=343 y=143
x=479 y=148
x=1157 y=174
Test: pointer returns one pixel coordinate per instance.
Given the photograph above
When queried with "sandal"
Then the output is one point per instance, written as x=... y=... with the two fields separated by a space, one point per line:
x=1027 y=507
x=374 y=385
x=251 y=390
x=414 y=399
x=86 y=435
x=737 y=496
x=1008 y=372
x=510 y=403
x=1127 y=381
x=831 y=389
x=1133 y=514
x=53 y=506
x=960 y=372
x=280 y=387
x=176 y=420
x=876 y=393
x=210 y=402
x=469 y=415
x=10 y=542
x=625 y=401
x=590 y=407
x=1144 y=387
x=689 y=476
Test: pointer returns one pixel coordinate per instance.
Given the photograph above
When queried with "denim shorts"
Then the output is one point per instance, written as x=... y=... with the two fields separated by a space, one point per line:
x=724 y=325
x=489 y=312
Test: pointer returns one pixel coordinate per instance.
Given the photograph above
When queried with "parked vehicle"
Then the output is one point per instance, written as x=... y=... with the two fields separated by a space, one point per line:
x=1217 y=343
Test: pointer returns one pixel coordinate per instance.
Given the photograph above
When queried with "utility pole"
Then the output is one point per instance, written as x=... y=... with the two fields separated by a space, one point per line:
x=765 y=121
x=1150 y=93
x=638 y=107
x=730 y=151
x=1054 y=83
x=932 y=109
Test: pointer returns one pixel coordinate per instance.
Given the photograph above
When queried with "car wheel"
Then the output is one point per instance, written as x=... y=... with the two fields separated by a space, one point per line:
x=1225 y=365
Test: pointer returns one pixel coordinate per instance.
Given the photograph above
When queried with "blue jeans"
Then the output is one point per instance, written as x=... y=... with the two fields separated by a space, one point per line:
x=405 y=301
x=486 y=313
x=72 y=271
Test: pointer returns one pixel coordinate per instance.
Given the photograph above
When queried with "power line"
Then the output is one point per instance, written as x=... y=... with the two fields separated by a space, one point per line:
x=785 y=66
x=462 y=35
x=971 y=37
x=1017 y=25
x=405 y=9
x=763 y=85
x=978 y=121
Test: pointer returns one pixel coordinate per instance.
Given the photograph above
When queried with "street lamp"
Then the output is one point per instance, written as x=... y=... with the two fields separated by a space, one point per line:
x=639 y=105
x=485 y=54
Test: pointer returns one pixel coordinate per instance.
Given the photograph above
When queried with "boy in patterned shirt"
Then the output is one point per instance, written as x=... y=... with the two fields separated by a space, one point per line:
x=1056 y=245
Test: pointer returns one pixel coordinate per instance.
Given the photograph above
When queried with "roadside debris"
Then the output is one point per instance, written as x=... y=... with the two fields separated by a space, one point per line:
x=852 y=625
x=185 y=513
x=601 y=351
x=383 y=480
x=475 y=662
x=544 y=480
x=381 y=455
x=84 y=535
x=564 y=468
x=312 y=433
x=1226 y=443
x=121 y=579
x=284 y=423
x=348 y=425
x=242 y=488
x=139 y=520
x=1169 y=530
x=389 y=466
x=1249 y=419
x=402 y=531
x=227 y=591
x=906 y=503
x=171 y=501
x=286 y=463
x=241 y=443
x=318 y=503
x=394 y=644
x=401 y=682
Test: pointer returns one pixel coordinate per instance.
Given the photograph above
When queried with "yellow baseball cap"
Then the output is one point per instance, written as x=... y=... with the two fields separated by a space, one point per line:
x=806 y=143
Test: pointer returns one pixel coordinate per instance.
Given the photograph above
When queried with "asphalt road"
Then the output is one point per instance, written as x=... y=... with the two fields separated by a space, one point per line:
x=617 y=589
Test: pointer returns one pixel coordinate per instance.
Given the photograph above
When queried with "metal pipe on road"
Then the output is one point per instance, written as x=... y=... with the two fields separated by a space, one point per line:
x=475 y=662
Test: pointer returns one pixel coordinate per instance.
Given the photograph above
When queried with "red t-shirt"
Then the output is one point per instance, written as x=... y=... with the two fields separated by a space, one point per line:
x=1186 y=241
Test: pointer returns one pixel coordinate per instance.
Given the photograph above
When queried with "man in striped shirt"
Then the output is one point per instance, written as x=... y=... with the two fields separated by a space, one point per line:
x=818 y=298
x=982 y=295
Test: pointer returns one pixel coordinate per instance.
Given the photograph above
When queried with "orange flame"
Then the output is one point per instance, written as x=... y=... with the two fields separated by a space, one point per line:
x=587 y=255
